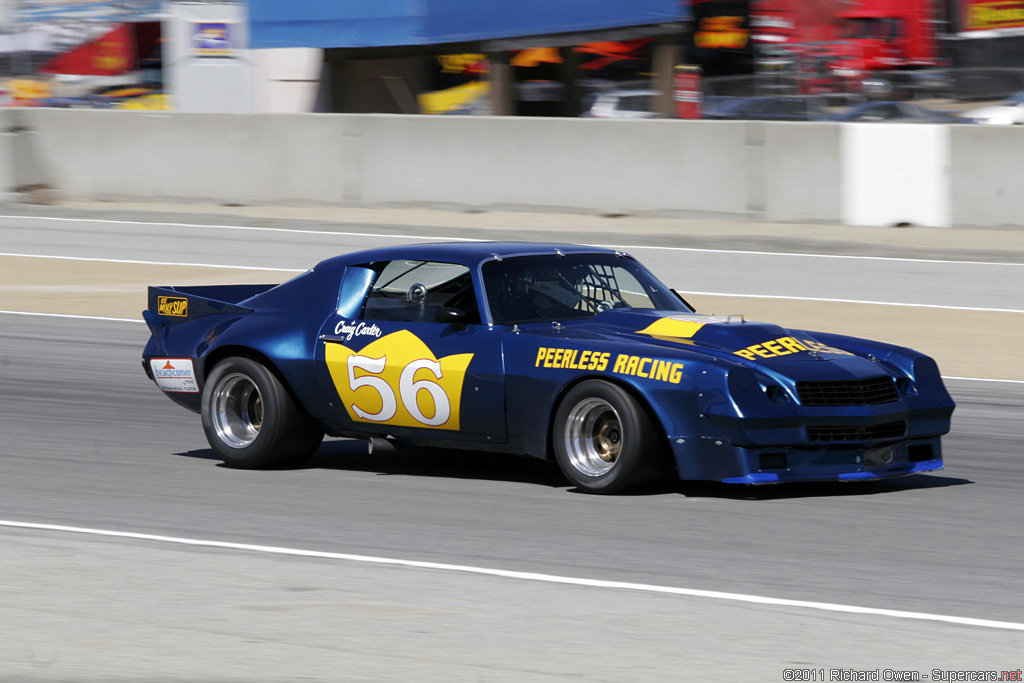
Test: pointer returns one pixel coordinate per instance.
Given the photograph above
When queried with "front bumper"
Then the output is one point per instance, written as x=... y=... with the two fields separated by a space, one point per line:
x=704 y=459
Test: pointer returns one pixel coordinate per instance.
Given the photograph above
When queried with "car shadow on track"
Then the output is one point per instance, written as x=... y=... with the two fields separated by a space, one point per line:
x=351 y=455
x=824 y=489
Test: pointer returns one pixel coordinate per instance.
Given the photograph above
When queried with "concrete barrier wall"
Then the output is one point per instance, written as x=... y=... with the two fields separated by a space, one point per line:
x=607 y=166
x=859 y=174
x=234 y=158
x=988 y=175
x=801 y=173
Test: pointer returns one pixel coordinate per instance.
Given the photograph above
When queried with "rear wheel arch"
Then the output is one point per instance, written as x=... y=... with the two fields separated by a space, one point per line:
x=222 y=352
x=251 y=419
x=238 y=351
x=232 y=350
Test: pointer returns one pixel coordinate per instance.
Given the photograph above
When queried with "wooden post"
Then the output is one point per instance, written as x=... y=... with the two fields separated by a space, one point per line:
x=502 y=103
x=667 y=53
x=570 y=84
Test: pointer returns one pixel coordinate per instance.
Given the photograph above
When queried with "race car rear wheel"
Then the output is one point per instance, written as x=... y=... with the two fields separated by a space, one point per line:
x=604 y=441
x=251 y=420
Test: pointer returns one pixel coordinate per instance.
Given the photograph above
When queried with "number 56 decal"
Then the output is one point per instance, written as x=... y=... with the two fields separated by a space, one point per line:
x=397 y=380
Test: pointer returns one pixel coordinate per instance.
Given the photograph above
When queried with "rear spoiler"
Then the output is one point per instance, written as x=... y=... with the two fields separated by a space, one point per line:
x=172 y=305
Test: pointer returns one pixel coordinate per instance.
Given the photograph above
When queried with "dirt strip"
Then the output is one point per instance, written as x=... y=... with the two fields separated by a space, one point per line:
x=965 y=343
x=550 y=225
x=94 y=288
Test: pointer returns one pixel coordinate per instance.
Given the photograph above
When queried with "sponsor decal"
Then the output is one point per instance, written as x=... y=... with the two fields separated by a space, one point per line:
x=175 y=375
x=463 y=63
x=172 y=305
x=212 y=40
x=988 y=15
x=683 y=328
x=625 y=364
x=397 y=380
x=108 y=55
x=721 y=33
x=349 y=330
x=652 y=368
x=784 y=346
x=574 y=359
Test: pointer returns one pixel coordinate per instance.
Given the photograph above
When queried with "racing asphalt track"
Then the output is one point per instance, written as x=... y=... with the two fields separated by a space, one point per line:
x=88 y=442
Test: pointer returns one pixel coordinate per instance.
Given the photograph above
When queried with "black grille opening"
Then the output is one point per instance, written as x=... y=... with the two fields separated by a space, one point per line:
x=853 y=392
x=920 y=452
x=889 y=430
x=772 y=461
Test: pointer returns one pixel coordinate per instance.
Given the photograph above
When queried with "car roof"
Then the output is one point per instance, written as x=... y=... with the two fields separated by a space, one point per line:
x=465 y=253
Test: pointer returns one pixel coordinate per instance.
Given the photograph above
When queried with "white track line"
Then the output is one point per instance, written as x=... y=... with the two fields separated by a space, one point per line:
x=722 y=294
x=132 y=320
x=856 y=301
x=298 y=231
x=68 y=315
x=469 y=239
x=150 y=263
x=983 y=379
x=529 y=576
x=835 y=256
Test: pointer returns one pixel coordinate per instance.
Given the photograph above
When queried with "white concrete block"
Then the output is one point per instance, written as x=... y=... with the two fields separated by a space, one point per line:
x=895 y=174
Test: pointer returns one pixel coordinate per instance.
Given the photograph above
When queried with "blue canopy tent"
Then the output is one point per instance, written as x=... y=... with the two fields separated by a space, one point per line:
x=356 y=33
x=392 y=23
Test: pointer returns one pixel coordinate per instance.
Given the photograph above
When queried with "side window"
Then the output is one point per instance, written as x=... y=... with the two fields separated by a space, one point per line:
x=877 y=113
x=636 y=103
x=895 y=29
x=620 y=287
x=890 y=111
x=413 y=291
x=531 y=289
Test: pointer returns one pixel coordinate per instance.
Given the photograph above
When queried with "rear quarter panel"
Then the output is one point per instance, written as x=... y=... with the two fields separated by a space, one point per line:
x=281 y=331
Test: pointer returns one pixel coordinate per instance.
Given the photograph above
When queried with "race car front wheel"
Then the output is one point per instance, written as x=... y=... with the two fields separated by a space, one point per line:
x=251 y=420
x=604 y=440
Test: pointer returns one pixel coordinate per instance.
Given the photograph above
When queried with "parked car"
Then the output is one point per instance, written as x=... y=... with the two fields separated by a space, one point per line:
x=764 y=108
x=620 y=104
x=893 y=112
x=1008 y=112
x=564 y=352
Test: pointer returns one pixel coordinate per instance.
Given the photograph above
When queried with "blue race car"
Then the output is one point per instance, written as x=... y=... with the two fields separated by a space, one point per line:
x=555 y=351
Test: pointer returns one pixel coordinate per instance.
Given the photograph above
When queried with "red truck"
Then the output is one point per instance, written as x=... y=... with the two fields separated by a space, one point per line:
x=833 y=45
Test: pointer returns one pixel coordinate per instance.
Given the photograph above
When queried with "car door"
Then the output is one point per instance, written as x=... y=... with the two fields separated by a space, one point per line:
x=390 y=368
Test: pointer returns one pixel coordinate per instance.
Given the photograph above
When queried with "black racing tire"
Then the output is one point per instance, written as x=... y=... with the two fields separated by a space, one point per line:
x=250 y=419
x=604 y=440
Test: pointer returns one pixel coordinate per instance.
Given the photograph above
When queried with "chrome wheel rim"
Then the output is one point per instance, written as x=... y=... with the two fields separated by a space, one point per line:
x=593 y=437
x=237 y=410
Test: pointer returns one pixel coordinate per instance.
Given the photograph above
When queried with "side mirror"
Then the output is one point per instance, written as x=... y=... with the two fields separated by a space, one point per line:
x=455 y=316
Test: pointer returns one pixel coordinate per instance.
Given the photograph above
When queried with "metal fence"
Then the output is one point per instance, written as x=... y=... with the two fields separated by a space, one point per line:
x=953 y=84
x=45 y=11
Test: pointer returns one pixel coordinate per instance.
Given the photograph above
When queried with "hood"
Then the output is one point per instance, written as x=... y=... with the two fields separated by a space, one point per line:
x=762 y=346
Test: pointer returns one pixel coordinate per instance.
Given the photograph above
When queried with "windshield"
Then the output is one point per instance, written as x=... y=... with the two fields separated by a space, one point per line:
x=545 y=288
x=876 y=28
